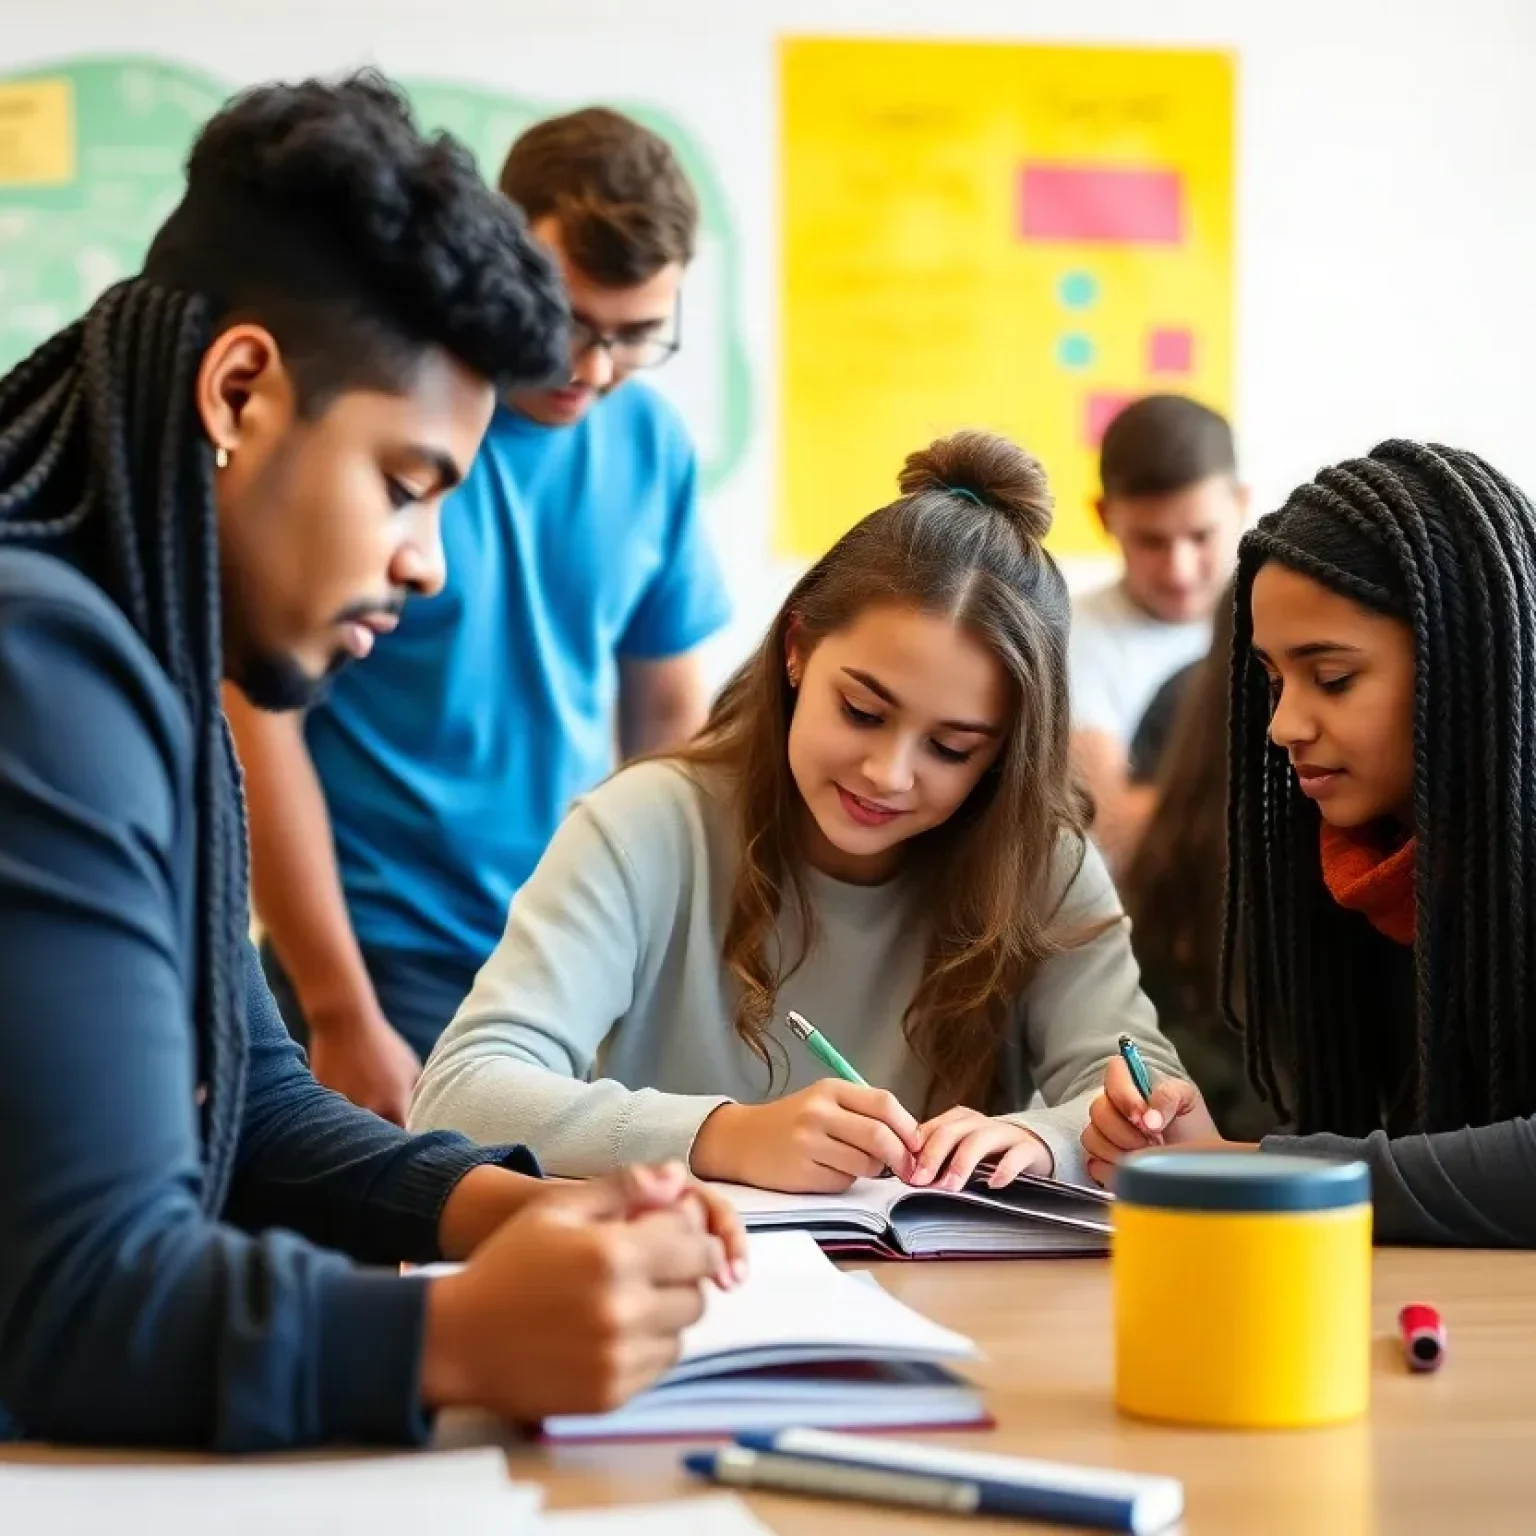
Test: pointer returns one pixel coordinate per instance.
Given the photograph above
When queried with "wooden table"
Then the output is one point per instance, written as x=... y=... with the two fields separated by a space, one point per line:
x=1450 y=1452
x=1453 y=1452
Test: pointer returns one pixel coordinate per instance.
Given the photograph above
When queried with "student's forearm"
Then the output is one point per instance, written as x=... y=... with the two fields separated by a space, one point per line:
x=1121 y=808
x=312 y=1162
x=645 y=734
x=294 y=879
x=1060 y=1127
x=515 y=1062
x=662 y=704
x=481 y=1201
x=1126 y=816
x=575 y=1129
x=1474 y=1187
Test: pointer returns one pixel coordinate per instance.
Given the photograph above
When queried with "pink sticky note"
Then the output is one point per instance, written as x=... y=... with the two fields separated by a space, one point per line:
x=1099 y=410
x=1171 y=349
x=1118 y=205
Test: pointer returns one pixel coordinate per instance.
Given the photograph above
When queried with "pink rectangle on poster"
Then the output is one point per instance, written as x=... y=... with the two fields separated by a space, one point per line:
x=1113 y=204
x=1171 y=349
x=1098 y=411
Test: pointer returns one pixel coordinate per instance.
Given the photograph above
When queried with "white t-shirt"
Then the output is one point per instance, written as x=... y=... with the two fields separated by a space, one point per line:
x=1120 y=656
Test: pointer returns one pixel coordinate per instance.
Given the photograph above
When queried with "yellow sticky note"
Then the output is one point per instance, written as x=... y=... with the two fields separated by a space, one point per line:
x=37 y=133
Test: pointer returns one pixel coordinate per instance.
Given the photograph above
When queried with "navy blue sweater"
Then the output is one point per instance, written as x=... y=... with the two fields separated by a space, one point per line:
x=131 y=1312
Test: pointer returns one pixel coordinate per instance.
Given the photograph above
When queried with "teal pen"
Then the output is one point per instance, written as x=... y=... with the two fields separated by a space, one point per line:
x=1138 y=1068
x=823 y=1049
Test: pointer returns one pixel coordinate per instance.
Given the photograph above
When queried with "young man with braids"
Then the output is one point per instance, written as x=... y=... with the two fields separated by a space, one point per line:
x=391 y=825
x=231 y=469
x=1380 y=932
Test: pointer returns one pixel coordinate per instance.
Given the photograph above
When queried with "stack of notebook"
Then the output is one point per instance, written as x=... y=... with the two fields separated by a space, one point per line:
x=1030 y=1218
x=801 y=1343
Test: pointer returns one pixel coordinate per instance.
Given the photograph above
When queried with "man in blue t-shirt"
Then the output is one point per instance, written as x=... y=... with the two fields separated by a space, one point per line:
x=391 y=826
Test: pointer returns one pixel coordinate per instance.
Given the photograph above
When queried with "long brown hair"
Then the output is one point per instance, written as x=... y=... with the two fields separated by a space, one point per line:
x=1174 y=886
x=963 y=541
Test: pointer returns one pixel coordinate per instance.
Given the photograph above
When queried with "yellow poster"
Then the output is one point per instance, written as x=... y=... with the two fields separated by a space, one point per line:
x=37 y=133
x=1012 y=237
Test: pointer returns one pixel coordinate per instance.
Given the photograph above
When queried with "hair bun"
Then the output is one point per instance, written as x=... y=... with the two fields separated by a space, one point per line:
x=988 y=469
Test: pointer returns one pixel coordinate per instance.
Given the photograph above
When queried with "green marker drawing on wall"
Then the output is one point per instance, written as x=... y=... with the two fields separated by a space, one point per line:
x=93 y=161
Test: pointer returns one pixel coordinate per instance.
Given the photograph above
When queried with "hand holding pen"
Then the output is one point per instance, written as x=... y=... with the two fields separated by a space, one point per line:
x=818 y=1140
x=954 y=1145
x=824 y=1137
x=1132 y=1112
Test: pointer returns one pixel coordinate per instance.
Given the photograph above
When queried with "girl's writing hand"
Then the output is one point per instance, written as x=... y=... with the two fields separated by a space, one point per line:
x=817 y=1141
x=1121 y=1121
x=965 y=1137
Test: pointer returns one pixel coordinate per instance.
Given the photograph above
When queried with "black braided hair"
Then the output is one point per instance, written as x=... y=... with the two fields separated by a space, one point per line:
x=360 y=242
x=1436 y=538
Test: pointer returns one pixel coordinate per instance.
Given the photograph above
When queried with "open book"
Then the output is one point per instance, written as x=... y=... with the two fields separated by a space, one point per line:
x=1030 y=1218
x=801 y=1343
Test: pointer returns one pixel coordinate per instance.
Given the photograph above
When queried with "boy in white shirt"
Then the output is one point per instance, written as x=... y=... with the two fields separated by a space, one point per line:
x=1172 y=501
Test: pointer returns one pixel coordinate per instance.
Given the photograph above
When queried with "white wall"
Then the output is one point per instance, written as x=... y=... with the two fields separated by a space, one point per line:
x=1386 y=171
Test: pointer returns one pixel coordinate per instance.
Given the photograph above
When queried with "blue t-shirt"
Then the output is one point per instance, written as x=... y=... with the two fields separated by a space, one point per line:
x=450 y=756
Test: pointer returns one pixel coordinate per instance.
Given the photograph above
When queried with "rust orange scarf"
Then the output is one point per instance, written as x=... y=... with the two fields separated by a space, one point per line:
x=1368 y=875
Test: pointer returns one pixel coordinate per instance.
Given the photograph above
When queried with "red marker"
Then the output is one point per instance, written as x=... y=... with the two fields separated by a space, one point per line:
x=1423 y=1337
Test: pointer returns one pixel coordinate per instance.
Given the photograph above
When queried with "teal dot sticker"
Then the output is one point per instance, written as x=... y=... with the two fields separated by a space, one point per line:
x=1074 y=351
x=1078 y=290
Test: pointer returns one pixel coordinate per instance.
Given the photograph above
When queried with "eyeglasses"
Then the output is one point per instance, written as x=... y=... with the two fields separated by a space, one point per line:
x=645 y=347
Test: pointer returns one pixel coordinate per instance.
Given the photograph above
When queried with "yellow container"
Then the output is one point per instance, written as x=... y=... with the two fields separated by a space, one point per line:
x=1242 y=1286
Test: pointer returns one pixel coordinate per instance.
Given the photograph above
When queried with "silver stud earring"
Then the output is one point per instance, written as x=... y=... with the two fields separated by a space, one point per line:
x=221 y=457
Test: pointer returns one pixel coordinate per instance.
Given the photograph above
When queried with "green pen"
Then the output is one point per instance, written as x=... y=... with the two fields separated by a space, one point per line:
x=1137 y=1067
x=823 y=1049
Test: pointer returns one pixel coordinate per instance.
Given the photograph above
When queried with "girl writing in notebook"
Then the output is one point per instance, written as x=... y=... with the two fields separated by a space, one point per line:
x=878 y=830
x=1380 y=906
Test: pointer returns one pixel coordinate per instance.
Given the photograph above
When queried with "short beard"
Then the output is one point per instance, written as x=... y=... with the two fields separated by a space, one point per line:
x=279 y=685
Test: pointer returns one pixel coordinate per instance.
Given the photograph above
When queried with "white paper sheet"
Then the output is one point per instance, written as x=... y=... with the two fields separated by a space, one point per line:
x=709 y=1515
x=466 y=1492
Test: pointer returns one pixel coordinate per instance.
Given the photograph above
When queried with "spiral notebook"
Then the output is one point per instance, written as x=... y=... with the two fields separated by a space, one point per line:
x=801 y=1343
x=1030 y=1218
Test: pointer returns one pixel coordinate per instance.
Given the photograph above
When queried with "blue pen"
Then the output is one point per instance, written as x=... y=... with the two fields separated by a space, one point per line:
x=1137 y=1067
x=915 y=1476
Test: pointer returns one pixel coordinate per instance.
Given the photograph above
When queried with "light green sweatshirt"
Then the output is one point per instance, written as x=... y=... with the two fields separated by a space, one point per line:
x=600 y=1031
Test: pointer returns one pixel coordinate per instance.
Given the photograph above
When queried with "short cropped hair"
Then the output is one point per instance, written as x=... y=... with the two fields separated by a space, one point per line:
x=1164 y=443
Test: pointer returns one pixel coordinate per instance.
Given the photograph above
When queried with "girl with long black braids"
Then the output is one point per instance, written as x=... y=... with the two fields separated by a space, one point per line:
x=1379 y=934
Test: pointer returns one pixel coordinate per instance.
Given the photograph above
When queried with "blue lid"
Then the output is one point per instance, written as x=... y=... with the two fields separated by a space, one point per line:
x=1172 y=1180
